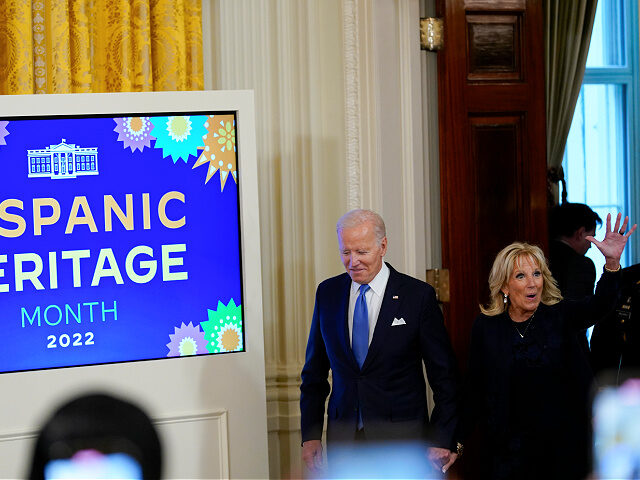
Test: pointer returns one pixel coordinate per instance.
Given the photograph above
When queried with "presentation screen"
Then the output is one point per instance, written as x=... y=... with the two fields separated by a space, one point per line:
x=119 y=236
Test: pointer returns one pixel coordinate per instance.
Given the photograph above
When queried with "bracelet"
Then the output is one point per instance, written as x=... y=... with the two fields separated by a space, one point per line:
x=459 y=449
x=612 y=271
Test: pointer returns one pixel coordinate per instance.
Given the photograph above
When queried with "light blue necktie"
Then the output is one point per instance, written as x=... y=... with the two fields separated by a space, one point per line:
x=360 y=334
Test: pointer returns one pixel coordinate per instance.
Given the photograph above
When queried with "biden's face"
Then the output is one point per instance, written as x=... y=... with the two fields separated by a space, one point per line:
x=361 y=252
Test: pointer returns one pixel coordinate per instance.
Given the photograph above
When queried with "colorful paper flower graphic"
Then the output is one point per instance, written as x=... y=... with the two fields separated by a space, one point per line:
x=134 y=132
x=223 y=330
x=186 y=340
x=3 y=132
x=219 y=149
x=179 y=136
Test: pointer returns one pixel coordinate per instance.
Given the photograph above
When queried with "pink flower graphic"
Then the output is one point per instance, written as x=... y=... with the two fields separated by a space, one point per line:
x=134 y=132
x=187 y=340
x=3 y=132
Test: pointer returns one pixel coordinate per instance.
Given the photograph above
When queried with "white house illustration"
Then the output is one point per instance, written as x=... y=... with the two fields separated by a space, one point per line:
x=64 y=160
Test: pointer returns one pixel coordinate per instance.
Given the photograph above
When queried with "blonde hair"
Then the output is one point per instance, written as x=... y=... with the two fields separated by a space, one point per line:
x=502 y=269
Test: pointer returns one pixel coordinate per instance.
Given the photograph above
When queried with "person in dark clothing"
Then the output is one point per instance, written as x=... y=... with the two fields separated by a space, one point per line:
x=528 y=384
x=615 y=343
x=378 y=391
x=569 y=225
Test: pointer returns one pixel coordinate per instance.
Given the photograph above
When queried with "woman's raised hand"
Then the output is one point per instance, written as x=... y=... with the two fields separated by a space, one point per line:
x=614 y=241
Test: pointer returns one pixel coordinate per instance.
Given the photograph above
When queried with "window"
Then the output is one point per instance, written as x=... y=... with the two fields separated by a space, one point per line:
x=602 y=153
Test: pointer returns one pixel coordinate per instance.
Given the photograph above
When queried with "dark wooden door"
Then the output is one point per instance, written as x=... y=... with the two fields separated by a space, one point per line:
x=492 y=144
x=492 y=151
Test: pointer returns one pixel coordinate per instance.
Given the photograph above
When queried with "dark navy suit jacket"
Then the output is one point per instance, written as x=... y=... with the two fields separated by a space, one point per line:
x=390 y=389
x=575 y=273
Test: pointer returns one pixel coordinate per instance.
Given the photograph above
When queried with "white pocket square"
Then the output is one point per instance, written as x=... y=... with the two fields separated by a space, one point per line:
x=398 y=321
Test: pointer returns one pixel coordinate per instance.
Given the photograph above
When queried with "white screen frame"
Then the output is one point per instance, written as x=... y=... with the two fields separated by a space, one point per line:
x=175 y=391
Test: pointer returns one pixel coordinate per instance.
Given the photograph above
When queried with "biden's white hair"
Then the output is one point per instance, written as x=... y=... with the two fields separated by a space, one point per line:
x=357 y=217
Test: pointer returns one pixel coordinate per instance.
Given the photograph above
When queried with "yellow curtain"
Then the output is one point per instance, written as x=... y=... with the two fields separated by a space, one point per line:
x=64 y=46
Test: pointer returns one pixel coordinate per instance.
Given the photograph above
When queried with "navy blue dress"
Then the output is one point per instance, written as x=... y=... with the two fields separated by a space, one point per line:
x=530 y=395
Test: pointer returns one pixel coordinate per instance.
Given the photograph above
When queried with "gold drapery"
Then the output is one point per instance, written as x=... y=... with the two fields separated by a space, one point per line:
x=65 y=46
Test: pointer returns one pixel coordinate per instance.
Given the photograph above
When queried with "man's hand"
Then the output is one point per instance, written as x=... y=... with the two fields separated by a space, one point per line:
x=441 y=458
x=452 y=458
x=312 y=455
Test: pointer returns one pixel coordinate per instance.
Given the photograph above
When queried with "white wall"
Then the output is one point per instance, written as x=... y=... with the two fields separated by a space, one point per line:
x=339 y=126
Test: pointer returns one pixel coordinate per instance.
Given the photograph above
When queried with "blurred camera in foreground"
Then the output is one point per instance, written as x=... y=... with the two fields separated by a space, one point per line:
x=383 y=460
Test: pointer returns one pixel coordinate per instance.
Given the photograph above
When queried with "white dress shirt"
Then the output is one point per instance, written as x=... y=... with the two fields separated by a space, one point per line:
x=373 y=297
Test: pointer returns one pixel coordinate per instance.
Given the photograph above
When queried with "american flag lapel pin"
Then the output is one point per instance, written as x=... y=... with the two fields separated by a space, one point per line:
x=395 y=297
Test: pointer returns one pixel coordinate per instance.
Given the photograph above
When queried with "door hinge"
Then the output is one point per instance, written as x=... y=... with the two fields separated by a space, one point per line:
x=431 y=33
x=438 y=278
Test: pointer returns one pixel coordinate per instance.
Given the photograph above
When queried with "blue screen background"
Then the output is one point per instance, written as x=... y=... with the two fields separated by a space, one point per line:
x=149 y=315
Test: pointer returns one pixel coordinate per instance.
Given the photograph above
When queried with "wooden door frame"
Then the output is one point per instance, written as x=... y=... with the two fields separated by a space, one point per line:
x=472 y=100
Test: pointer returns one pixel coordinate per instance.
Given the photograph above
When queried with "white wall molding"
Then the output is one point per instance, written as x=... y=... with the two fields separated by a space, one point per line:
x=218 y=415
x=211 y=427
x=215 y=421
x=283 y=422
x=361 y=106
x=17 y=436
x=351 y=55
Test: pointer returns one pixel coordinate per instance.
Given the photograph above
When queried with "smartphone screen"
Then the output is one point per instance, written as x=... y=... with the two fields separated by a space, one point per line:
x=94 y=464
